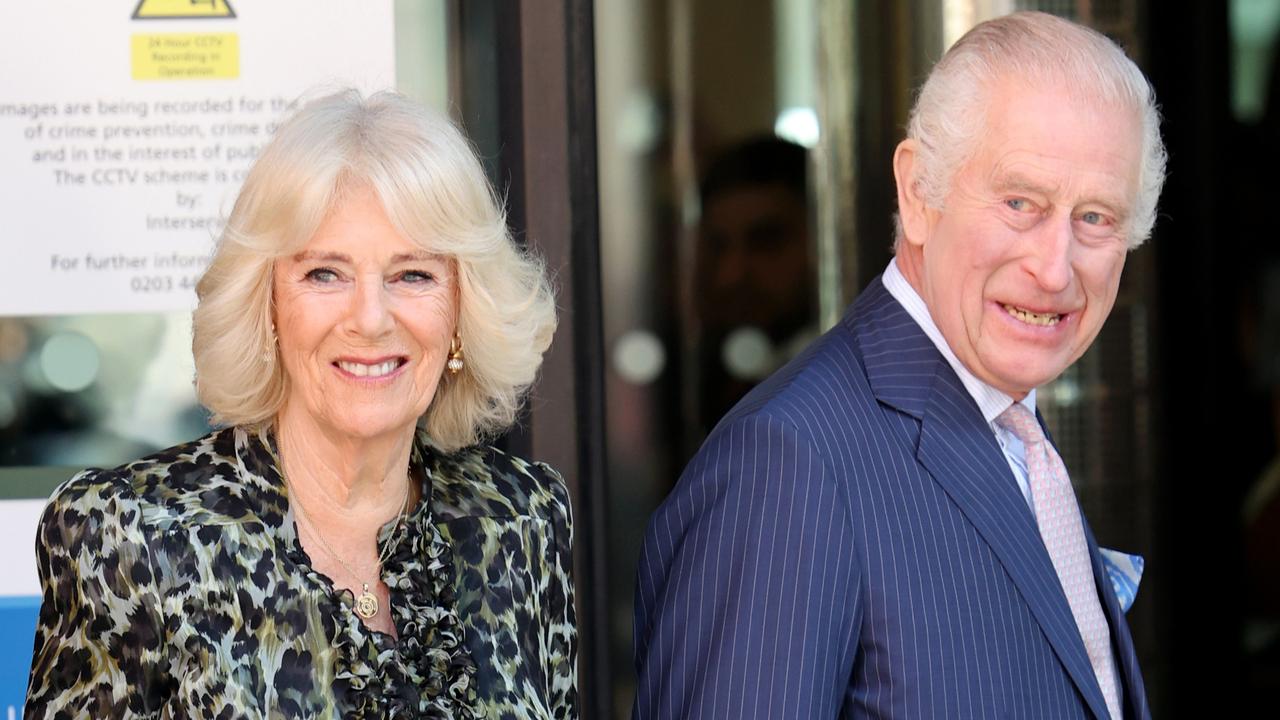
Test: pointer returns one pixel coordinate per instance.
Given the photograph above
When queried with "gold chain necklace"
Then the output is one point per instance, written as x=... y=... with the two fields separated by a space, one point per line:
x=366 y=602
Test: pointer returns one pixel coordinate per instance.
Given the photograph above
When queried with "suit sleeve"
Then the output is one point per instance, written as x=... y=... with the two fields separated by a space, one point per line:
x=748 y=592
x=98 y=637
x=559 y=615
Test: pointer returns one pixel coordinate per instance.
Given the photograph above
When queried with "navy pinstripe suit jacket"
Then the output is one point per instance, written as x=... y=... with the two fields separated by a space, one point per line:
x=850 y=542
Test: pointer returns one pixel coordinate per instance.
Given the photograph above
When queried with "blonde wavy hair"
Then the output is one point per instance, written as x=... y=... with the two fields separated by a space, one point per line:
x=435 y=193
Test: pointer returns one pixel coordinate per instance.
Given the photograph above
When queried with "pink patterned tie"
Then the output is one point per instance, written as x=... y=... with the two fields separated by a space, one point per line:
x=1060 y=527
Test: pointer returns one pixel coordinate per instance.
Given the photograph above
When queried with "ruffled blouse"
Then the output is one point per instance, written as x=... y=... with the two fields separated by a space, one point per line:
x=177 y=586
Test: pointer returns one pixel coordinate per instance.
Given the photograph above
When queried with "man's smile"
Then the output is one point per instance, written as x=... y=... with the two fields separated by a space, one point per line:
x=1046 y=319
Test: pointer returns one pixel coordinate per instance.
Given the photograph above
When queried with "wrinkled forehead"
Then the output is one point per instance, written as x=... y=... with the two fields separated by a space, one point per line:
x=1058 y=128
x=1054 y=93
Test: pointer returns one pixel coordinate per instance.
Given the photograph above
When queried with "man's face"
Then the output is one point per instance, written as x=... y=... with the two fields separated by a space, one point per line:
x=1021 y=267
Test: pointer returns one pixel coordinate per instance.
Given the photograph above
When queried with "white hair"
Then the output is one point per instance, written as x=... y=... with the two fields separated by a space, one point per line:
x=435 y=193
x=949 y=116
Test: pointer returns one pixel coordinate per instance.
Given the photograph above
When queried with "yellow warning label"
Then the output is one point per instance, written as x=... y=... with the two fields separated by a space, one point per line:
x=182 y=9
x=186 y=56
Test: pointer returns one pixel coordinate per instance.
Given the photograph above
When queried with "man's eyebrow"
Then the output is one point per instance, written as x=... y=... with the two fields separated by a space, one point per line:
x=1017 y=182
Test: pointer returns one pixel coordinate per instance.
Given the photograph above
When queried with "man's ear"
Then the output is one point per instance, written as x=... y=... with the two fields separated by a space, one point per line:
x=913 y=211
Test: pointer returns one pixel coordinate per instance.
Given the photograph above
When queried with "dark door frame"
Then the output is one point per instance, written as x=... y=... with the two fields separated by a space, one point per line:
x=524 y=74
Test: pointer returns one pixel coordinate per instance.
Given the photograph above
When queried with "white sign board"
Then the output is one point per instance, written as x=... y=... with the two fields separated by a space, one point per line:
x=126 y=127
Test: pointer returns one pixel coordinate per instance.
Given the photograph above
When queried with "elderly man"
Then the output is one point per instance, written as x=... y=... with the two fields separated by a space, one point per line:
x=882 y=529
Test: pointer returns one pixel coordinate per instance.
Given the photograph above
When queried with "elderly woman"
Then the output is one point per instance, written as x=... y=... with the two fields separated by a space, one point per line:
x=346 y=546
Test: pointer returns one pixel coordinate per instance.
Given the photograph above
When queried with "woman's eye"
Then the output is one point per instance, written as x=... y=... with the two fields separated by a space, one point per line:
x=322 y=275
x=416 y=276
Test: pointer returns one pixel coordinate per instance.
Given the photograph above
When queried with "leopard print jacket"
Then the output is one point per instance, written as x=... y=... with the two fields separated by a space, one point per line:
x=176 y=587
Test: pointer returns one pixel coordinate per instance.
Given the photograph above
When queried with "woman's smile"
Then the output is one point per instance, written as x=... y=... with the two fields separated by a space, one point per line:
x=365 y=370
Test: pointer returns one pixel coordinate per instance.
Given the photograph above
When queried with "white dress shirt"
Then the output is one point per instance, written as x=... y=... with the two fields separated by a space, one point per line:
x=991 y=402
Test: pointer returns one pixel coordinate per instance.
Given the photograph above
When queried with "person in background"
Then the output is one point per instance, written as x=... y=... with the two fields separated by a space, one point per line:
x=882 y=528
x=347 y=545
x=754 y=270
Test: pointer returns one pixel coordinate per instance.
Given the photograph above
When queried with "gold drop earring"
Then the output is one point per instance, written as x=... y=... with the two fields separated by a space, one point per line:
x=455 y=363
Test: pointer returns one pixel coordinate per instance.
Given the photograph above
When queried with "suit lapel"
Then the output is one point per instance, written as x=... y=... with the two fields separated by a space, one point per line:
x=960 y=452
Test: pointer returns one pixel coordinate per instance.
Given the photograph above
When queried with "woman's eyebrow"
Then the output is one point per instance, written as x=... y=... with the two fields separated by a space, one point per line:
x=417 y=256
x=323 y=256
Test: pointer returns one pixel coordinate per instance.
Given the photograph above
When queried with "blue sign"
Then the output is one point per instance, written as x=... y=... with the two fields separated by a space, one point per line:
x=18 y=616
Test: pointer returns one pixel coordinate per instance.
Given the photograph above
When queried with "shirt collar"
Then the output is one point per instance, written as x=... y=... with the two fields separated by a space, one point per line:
x=991 y=402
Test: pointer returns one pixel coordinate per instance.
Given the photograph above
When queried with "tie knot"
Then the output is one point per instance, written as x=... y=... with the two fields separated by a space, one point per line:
x=1020 y=421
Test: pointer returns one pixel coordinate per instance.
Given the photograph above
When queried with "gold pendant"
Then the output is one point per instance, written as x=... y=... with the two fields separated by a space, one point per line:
x=366 y=604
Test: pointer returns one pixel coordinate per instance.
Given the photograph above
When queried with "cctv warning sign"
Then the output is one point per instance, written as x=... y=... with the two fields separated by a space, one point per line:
x=182 y=9
x=185 y=56
x=134 y=146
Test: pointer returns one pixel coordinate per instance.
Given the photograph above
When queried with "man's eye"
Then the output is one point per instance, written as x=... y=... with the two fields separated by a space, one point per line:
x=322 y=275
x=1093 y=218
x=1018 y=204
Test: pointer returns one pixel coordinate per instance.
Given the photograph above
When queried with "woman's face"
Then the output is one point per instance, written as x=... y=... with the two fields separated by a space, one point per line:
x=364 y=318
